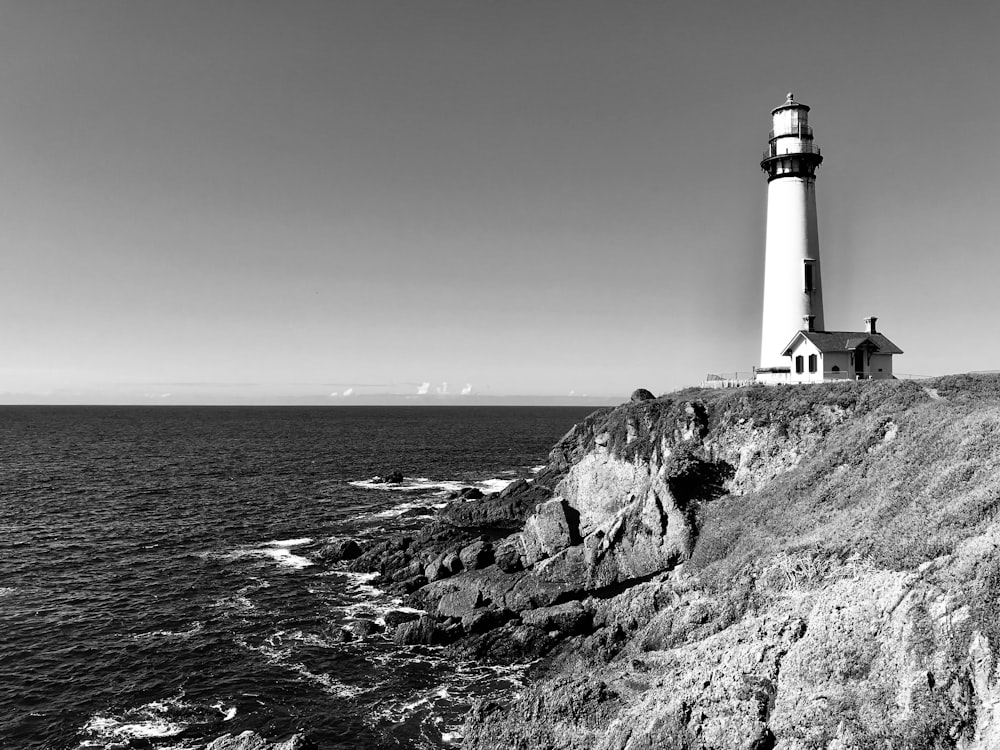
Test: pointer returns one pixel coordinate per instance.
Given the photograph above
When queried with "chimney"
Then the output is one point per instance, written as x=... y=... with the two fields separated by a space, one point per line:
x=808 y=322
x=870 y=325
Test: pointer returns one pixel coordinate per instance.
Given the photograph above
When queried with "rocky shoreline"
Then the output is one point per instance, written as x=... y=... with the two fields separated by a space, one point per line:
x=794 y=568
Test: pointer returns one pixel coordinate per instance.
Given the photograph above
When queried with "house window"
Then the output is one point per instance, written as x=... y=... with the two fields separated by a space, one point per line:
x=812 y=363
x=799 y=364
x=809 y=281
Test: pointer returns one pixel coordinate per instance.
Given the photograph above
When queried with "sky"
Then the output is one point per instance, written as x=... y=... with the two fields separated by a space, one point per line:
x=327 y=202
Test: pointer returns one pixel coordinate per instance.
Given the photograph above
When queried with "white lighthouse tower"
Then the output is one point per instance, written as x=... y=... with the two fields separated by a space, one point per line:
x=793 y=288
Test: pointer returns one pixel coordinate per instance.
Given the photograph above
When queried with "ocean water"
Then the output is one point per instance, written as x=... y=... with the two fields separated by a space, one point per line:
x=158 y=585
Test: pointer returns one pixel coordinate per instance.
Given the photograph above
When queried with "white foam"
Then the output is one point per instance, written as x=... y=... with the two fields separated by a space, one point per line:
x=537 y=469
x=283 y=556
x=145 y=722
x=118 y=729
x=195 y=628
x=424 y=484
x=328 y=683
x=290 y=542
x=279 y=656
x=276 y=550
x=493 y=485
x=7 y=590
x=402 y=508
x=407 y=708
x=228 y=714
x=271 y=653
x=358 y=583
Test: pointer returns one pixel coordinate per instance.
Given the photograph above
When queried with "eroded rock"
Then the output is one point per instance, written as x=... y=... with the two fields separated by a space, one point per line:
x=340 y=549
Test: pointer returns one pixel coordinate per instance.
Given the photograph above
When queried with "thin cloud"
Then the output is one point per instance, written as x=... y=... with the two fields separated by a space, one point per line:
x=348 y=392
x=467 y=389
x=423 y=389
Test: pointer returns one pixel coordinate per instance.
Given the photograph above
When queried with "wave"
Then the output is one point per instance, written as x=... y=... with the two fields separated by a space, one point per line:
x=150 y=721
x=195 y=628
x=228 y=714
x=398 y=510
x=277 y=650
x=7 y=590
x=277 y=550
x=358 y=583
x=290 y=542
x=439 y=711
x=283 y=556
x=330 y=684
x=440 y=486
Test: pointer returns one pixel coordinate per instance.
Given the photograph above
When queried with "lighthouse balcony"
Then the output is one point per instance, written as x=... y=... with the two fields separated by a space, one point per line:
x=777 y=149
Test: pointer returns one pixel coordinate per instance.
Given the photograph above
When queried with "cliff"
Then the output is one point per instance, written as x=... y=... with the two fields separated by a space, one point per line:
x=791 y=567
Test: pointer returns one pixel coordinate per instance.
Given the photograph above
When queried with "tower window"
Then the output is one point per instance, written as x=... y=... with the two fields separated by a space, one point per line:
x=812 y=363
x=799 y=362
x=810 y=285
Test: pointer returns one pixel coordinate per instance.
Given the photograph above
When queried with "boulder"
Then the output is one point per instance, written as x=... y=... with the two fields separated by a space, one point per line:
x=641 y=394
x=414 y=568
x=506 y=510
x=511 y=643
x=444 y=565
x=571 y=618
x=244 y=741
x=395 y=617
x=425 y=631
x=452 y=563
x=471 y=493
x=415 y=632
x=412 y=584
x=435 y=569
x=340 y=549
x=249 y=740
x=483 y=620
x=530 y=642
x=507 y=554
x=476 y=555
x=515 y=487
x=553 y=527
x=365 y=628
x=459 y=603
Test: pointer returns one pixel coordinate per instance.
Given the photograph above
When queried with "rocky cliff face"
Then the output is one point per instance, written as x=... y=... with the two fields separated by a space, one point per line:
x=795 y=568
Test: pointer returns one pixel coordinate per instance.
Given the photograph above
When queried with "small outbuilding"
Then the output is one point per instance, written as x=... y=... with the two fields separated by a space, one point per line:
x=815 y=356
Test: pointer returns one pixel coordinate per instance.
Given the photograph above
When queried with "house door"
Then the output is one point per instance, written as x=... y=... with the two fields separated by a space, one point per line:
x=859 y=363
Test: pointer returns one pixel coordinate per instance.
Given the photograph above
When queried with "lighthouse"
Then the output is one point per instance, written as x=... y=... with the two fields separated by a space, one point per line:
x=793 y=287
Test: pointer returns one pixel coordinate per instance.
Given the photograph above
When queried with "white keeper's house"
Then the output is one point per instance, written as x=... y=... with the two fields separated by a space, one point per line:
x=795 y=347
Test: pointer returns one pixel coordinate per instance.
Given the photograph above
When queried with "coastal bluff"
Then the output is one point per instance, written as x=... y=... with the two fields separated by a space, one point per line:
x=796 y=567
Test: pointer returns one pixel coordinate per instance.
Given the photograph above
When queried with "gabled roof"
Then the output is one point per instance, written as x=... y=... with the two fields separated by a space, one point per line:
x=842 y=341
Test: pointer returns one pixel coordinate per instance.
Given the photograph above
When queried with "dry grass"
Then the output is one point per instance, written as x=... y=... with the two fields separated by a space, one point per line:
x=863 y=501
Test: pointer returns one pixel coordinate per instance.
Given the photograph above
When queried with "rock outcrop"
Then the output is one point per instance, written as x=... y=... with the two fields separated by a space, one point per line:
x=793 y=568
x=252 y=741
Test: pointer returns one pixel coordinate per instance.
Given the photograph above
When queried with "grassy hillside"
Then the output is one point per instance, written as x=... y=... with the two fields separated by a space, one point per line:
x=842 y=591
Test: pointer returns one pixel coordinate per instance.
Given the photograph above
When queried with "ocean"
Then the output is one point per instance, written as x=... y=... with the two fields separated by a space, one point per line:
x=159 y=585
